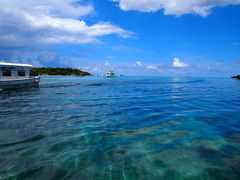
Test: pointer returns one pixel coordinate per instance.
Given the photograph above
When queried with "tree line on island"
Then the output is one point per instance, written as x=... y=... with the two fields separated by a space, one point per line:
x=58 y=71
x=237 y=77
x=68 y=72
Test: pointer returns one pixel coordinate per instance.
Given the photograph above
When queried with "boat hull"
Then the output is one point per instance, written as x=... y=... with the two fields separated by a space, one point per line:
x=19 y=83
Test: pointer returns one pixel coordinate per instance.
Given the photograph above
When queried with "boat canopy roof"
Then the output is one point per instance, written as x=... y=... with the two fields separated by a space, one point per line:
x=14 y=64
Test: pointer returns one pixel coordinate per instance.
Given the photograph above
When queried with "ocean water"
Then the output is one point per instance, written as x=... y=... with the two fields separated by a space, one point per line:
x=122 y=128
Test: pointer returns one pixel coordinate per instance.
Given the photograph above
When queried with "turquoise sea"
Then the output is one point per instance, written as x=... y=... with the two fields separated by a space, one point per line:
x=127 y=128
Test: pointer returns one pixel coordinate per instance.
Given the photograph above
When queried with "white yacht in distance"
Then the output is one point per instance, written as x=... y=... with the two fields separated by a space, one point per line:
x=14 y=75
x=109 y=74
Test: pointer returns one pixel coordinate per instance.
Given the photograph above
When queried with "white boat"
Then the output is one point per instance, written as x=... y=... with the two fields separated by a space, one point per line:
x=109 y=74
x=14 y=75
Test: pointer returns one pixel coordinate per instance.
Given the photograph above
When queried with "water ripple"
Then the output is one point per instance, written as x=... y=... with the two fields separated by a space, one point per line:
x=121 y=128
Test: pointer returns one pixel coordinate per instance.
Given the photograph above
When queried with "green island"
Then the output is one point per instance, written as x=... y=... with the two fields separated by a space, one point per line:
x=58 y=71
x=237 y=77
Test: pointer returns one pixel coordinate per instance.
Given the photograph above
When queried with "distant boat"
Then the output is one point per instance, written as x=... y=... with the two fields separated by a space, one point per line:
x=109 y=74
x=14 y=75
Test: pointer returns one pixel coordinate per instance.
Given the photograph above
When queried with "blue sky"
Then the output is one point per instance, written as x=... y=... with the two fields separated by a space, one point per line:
x=147 y=37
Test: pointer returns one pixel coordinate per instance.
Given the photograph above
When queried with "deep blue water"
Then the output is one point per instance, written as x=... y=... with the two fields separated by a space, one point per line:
x=123 y=128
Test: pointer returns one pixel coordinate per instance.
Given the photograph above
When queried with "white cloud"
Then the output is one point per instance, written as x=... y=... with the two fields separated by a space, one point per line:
x=178 y=64
x=175 y=7
x=28 y=22
x=106 y=63
x=147 y=67
x=152 y=67
x=139 y=63
x=110 y=57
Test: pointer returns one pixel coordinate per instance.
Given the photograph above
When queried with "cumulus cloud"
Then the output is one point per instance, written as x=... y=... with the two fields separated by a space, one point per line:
x=139 y=63
x=147 y=66
x=152 y=67
x=28 y=22
x=178 y=64
x=175 y=7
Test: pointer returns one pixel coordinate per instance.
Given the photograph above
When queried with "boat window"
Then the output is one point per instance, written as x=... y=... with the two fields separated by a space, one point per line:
x=21 y=73
x=20 y=68
x=13 y=68
x=6 y=73
x=3 y=68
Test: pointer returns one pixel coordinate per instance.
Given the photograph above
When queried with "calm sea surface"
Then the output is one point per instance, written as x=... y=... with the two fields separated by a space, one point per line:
x=123 y=128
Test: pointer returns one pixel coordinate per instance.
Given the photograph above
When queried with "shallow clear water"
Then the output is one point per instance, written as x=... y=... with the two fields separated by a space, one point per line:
x=122 y=128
